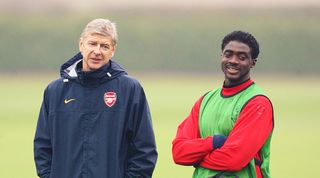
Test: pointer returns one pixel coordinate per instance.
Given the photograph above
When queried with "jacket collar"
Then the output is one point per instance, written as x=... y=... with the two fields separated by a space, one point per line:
x=72 y=70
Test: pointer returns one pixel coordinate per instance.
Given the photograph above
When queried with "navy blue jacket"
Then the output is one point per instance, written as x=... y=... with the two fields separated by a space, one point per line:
x=94 y=125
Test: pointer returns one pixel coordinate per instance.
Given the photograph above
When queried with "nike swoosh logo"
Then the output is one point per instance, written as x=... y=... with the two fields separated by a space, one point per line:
x=66 y=101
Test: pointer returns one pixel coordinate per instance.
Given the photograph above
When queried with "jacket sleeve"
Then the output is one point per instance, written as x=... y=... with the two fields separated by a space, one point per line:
x=251 y=130
x=42 y=143
x=188 y=148
x=142 y=154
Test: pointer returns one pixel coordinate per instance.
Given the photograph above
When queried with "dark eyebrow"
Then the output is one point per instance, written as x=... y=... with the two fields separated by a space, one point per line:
x=238 y=53
x=228 y=50
x=243 y=53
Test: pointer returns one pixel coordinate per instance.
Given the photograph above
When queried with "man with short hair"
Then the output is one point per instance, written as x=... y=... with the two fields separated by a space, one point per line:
x=228 y=131
x=95 y=121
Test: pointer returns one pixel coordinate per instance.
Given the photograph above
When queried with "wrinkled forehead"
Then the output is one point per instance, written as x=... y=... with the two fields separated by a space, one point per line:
x=99 y=38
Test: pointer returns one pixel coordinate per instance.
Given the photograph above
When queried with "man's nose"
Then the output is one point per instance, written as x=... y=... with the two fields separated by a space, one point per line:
x=234 y=59
x=96 y=50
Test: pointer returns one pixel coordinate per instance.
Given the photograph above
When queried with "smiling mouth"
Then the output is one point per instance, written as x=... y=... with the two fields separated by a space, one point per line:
x=232 y=70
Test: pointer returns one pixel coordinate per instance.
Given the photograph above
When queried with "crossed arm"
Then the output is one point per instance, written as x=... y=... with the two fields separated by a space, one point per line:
x=249 y=133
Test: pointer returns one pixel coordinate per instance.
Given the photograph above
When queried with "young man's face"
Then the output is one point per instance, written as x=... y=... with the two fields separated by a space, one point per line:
x=236 y=62
x=96 y=50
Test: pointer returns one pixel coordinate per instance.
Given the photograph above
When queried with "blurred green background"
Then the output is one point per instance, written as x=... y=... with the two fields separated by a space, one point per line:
x=174 y=52
x=165 y=40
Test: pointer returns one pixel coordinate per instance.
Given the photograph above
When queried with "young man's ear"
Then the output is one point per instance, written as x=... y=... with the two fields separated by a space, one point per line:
x=254 y=61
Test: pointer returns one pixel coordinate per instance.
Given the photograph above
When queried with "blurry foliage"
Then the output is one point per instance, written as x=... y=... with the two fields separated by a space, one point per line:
x=165 y=40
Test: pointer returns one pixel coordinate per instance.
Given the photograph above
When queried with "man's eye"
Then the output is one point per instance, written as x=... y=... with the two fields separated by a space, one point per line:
x=91 y=44
x=242 y=57
x=227 y=55
x=105 y=47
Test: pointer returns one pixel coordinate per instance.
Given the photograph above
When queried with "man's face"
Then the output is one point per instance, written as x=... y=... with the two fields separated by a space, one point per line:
x=236 y=62
x=96 y=50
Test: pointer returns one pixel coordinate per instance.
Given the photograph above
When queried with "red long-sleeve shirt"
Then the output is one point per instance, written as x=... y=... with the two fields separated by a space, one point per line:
x=249 y=133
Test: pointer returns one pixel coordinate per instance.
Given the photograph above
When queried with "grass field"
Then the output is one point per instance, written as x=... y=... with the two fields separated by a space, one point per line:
x=295 y=143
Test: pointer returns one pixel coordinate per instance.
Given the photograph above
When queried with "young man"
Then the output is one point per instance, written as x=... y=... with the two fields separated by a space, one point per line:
x=94 y=121
x=228 y=131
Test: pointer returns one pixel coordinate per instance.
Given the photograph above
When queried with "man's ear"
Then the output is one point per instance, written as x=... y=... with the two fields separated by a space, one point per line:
x=114 y=50
x=80 y=44
x=254 y=61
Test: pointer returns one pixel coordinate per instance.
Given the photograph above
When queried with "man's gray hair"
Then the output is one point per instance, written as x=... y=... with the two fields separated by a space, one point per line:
x=102 y=27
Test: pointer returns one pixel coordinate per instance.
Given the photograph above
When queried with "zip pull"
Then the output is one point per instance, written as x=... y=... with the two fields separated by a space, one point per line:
x=109 y=74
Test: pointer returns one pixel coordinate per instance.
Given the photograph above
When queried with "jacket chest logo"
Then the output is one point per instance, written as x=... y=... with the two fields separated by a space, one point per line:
x=110 y=98
x=66 y=101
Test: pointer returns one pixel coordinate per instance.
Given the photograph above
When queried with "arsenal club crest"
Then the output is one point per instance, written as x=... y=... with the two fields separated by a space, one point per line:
x=110 y=98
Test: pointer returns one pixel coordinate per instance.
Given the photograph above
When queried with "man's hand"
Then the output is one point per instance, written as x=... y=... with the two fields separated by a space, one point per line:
x=218 y=141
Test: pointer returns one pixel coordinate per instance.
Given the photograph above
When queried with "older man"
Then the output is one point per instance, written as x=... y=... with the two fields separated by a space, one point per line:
x=94 y=121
